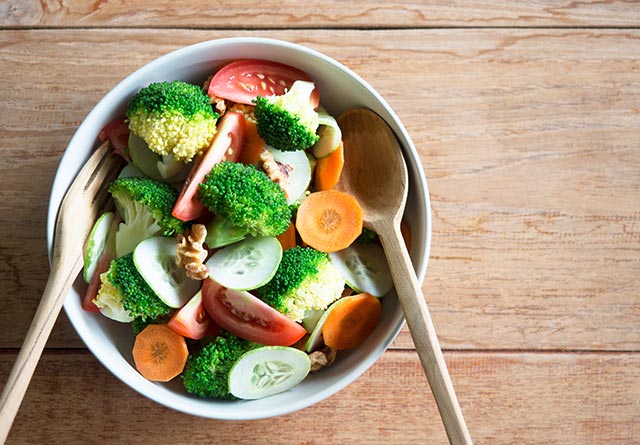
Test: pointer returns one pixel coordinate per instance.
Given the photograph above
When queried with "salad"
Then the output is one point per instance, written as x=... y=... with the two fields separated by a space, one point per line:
x=238 y=264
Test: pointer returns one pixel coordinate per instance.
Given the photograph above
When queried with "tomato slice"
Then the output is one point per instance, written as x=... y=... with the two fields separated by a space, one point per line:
x=248 y=317
x=117 y=132
x=226 y=145
x=193 y=321
x=244 y=80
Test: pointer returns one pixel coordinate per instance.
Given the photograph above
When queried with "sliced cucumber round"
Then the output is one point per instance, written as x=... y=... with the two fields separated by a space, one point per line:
x=155 y=259
x=247 y=264
x=316 y=339
x=96 y=243
x=364 y=268
x=311 y=318
x=220 y=233
x=300 y=176
x=268 y=370
x=143 y=158
x=131 y=171
x=330 y=136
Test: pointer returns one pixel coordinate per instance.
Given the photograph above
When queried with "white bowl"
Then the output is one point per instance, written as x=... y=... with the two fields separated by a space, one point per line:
x=340 y=89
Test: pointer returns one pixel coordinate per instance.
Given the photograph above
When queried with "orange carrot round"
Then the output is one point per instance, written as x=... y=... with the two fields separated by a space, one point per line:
x=159 y=353
x=288 y=238
x=352 y=321
x=329 y=220
x=328 y=170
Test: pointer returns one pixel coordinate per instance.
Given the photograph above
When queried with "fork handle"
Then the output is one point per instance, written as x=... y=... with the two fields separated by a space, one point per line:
x=423 y=333
x=58 y=285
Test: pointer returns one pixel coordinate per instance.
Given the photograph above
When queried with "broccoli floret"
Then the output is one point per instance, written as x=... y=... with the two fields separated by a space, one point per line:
x=288 y=122
x=367 y=236
x=247 y=198
x=145 y=206
x=174 y=118
x=207 y=371
x=305 y=280
x=124 y=295
x=138 y=324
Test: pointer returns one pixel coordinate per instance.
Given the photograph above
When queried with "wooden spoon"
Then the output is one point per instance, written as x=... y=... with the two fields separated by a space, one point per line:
x=376 y=174
x=82 y=204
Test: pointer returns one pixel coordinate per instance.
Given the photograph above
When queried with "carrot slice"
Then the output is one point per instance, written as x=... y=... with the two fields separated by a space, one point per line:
x=328 y=170
x=329 y=220
x=405 y=230
x=159 y=353
x=288 y=238
x=253 y=144
x=352 y=321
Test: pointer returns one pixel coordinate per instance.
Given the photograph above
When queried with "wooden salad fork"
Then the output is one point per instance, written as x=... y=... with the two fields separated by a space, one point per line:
x=85 y=200
x=376 y=174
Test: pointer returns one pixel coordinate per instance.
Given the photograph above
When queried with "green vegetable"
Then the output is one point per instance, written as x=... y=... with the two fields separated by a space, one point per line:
x=206 y=373
x=124 y=295
x=367 y=236
x=138 y=324
x=220 y=232
x=247 y=198
x=305 y=280
x=247 y=264
x=101 y=235
x=155 y=259
x=364 y=267
x=288 y=122
x=145 y=206
x=174 y=118
x=268 y=370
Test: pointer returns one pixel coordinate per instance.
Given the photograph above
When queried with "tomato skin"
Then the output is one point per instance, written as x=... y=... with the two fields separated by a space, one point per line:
x=243 y=80
x=226 y=145
x=117 y=132
x=193 y=321
x=248 y=317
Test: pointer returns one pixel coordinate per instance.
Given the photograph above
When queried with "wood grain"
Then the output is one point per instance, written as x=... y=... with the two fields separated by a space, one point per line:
x=315 y=14
x=538 y=398
x=528 y=139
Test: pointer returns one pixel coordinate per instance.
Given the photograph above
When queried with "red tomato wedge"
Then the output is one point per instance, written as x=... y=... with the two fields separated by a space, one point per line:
x=248 y=317
x=226 y=145
x=244 y=80
x=117 y=132
x=193 y=321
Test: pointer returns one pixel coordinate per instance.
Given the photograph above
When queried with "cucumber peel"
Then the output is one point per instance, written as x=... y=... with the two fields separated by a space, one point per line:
x=99 y=238
x=268 y=370
x=330 y=136
x=220 y=233
x=316 y=339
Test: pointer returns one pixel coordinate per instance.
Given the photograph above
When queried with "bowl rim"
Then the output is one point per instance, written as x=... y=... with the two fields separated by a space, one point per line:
x=64 y=177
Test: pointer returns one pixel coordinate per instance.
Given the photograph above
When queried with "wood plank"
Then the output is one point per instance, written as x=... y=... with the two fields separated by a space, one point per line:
x=315 y=14
x=525 y=398
x=528 y=139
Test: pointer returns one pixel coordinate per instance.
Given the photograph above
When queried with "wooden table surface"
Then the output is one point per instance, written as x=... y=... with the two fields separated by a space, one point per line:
x=526 y=115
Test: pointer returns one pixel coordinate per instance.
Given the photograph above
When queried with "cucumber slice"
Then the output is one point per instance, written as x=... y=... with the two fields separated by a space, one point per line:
x=316 y=338
x=220 y=232
x=96 y=243
x=155 y=259
x=172 y=170
x=330 y=136
x=143 y=158
x=311 y=318
x=247 y=264
x=364 y=268
x=268 y=370
x=300 y=176
x=131 y=171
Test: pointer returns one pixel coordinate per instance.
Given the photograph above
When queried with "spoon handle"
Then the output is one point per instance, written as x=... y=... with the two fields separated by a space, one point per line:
x=423 y=333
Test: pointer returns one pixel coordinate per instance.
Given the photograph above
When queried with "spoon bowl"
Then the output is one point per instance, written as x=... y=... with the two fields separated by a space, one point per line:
x=376 y=174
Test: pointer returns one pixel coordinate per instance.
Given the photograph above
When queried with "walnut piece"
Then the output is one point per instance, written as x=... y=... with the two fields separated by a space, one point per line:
x=276 y=171
x=322 y=358
x=190 y=253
